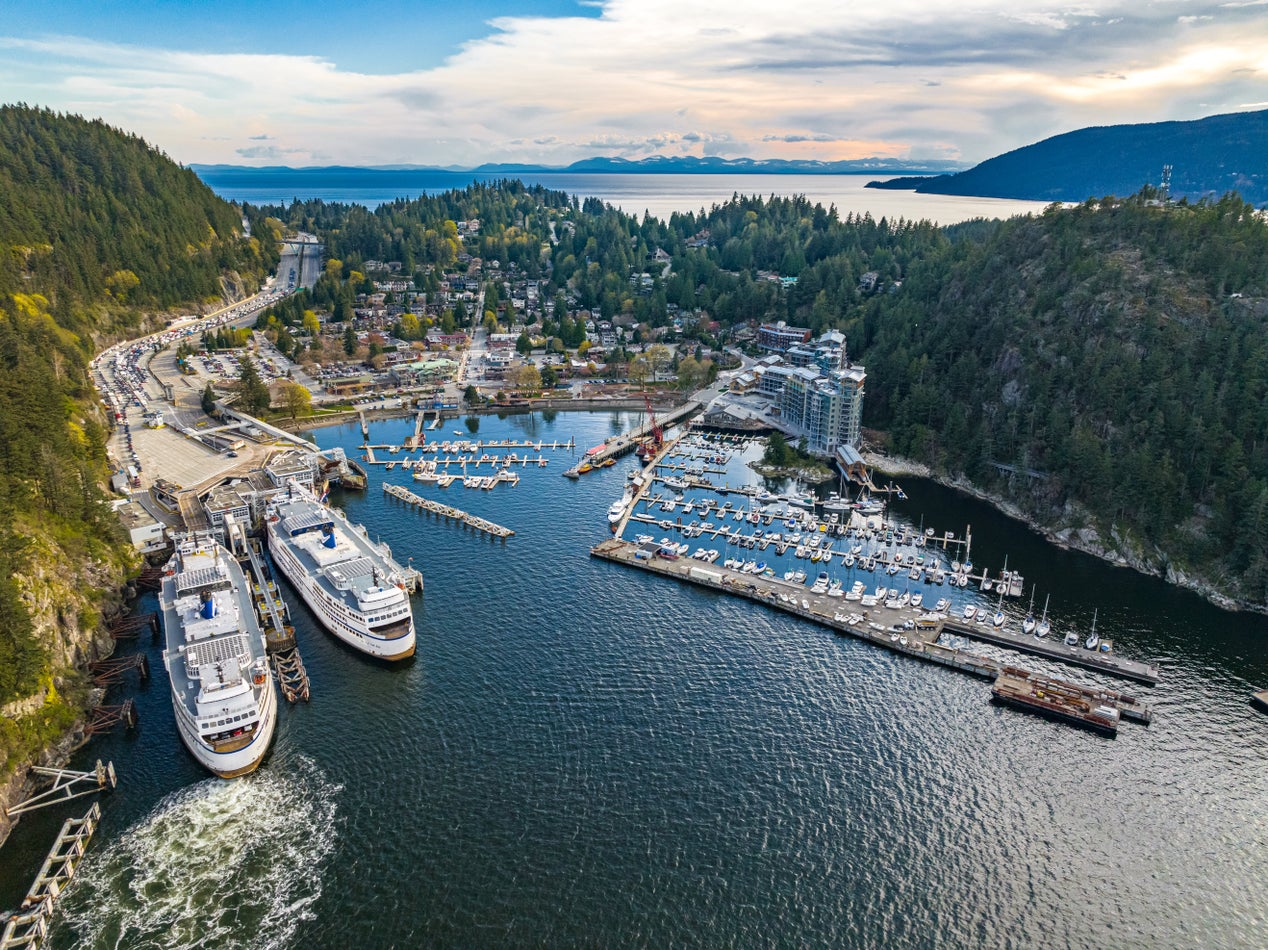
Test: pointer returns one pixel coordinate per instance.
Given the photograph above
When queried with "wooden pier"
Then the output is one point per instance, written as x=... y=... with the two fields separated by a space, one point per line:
x=448 y=511
x=910 y=632
x=30 y=927
x=620 y=445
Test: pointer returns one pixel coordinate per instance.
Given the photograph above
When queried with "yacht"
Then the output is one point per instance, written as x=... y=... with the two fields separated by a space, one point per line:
x=1093 y=641
x=214 y=651
x=352 y=585
x=1028 y=625
x=1041 y=630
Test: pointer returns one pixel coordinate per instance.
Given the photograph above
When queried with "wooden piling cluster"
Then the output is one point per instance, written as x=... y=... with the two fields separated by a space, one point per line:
x=448 y=511
x=129 y=628
x=110 y=671
x=105 y=718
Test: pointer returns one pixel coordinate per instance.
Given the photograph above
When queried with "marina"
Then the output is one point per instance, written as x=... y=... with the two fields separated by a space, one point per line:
x=895 y=614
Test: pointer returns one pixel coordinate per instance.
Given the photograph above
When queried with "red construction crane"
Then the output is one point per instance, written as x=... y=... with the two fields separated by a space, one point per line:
x=648 y=448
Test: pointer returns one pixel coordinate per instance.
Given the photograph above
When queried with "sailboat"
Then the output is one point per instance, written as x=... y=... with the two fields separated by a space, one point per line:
x=1041 y=631
x=999 y=610
x=1092 y=641
x=1028 y=625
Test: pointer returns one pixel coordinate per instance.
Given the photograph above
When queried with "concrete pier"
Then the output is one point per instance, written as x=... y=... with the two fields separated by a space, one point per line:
x=910 y=632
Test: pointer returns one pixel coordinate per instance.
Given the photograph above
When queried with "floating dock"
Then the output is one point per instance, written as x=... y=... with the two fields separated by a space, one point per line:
x=448 y=511
x=1056 y=649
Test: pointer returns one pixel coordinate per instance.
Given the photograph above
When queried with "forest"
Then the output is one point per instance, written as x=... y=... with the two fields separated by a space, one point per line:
x=98 y=231
x=1115 y=350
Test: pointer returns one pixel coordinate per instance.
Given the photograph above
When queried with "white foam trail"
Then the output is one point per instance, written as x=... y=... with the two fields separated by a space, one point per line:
x=218 y=864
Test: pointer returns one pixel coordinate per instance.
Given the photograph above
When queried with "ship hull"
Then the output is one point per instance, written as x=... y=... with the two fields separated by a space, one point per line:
x=382 y=648
x=240 y=761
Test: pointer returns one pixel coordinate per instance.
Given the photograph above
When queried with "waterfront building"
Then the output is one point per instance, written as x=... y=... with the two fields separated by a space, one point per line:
x=779 y=337
x=292 y=464
x=817 y=391
x=226 y=500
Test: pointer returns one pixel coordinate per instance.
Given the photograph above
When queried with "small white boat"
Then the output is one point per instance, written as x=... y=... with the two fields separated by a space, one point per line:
x=970 y=611
x=1093 y=641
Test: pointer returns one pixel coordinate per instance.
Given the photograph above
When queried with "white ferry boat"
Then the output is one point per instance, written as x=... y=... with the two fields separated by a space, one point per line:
x=214 y=651
x=348 y=582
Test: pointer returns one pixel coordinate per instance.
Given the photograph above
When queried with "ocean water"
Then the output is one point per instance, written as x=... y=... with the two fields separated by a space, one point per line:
x=658 y=195
x=584 y=755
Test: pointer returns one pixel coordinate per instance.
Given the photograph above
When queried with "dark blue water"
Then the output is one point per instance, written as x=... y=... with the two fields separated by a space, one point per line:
x=582 y=754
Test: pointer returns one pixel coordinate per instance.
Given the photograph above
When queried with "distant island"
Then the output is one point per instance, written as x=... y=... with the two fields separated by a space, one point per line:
x=1209 y=158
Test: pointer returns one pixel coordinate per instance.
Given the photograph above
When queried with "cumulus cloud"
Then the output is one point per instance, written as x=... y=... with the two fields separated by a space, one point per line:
x=815 y=79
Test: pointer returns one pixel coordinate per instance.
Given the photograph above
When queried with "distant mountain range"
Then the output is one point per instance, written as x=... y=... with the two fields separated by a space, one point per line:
x=1209 y=157
x=658 y=164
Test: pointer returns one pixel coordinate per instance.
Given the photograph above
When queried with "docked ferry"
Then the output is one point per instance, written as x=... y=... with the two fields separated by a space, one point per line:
x=214 y=651
x=350 y=583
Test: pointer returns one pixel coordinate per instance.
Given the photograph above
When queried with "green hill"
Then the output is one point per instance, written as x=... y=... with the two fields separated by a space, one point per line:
x=1120 y=351
x=1209 y=157
x=96 y=230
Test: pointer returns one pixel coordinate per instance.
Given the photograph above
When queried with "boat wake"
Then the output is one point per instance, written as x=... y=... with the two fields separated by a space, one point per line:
x=217 y=864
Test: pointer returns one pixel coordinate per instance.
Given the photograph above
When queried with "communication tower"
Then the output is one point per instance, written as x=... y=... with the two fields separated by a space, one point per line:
x=1164 y=189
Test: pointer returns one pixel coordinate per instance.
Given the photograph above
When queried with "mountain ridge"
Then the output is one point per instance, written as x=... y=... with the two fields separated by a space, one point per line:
x=1209 y=157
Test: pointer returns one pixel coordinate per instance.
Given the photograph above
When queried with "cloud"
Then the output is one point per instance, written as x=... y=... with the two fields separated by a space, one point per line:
x=268 y=151
x=814 y=79
x=794 y=137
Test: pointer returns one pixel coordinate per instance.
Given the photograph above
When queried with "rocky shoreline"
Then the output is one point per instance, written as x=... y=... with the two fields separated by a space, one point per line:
x=1117 y=550
x=810 y=475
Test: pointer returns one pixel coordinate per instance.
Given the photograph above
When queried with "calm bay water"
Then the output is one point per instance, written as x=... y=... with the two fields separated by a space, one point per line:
x=659 y=195
x=582 y=754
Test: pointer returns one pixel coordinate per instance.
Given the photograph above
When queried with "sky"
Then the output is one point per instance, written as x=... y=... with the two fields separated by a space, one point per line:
x=553 y=81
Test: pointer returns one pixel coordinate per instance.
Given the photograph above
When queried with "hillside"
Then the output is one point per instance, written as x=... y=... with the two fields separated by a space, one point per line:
x=1117 y=350
x=96 y=216
x=94 y=227
x=1209 y=157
